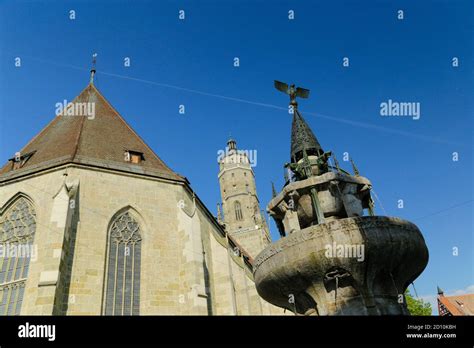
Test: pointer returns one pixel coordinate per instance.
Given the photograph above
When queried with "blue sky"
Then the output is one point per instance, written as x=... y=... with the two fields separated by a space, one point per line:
x=407 y=60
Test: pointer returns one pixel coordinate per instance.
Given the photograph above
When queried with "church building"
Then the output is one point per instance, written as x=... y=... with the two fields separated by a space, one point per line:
x=93 y=222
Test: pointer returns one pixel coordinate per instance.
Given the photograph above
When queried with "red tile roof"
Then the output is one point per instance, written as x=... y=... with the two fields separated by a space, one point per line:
x=98 y=141
x=458 y=305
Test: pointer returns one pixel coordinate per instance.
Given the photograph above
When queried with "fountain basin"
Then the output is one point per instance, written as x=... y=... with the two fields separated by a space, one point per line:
x=307 y=273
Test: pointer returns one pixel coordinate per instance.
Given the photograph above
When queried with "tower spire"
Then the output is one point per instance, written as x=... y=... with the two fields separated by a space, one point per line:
x=94 y=56
x=302 y=138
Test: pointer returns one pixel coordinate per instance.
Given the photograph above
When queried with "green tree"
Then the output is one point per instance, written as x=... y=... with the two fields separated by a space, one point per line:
x=417 y=306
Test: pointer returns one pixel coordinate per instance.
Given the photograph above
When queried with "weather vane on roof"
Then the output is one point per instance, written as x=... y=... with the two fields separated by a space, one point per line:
x=292 y=91
x=94 y=56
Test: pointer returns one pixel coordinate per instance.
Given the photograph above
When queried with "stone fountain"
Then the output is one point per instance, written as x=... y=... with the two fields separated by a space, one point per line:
x=335 y=256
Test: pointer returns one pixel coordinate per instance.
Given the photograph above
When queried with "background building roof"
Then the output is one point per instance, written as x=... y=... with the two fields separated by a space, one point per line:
x=458 y=305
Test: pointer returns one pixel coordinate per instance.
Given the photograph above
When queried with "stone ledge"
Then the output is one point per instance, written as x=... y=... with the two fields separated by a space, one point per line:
x=48 y=278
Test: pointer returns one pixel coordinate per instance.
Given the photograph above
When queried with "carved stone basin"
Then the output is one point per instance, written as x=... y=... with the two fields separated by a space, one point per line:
x=352 y=266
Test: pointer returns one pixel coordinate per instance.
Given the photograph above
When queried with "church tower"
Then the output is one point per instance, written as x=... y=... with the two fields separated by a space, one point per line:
x=243 y=218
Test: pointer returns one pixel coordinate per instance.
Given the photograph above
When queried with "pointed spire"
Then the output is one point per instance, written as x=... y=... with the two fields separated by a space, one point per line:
x=302 y=138
x=440 y=291
x=354 y=168
x=274 y=192
x=94 y=56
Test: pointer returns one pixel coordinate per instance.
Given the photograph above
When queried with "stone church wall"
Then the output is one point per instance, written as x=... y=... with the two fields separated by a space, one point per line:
x=186 y=266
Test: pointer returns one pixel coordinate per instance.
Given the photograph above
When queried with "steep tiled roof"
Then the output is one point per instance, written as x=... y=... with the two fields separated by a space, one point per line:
x=458 y=305
x=99 y=141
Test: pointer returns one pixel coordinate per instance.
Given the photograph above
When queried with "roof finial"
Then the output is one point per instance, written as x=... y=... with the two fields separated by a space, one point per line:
x=94 y=56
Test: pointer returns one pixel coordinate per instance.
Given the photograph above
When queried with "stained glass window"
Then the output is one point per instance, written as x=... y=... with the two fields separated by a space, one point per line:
x=17 y=230
x=122 y=293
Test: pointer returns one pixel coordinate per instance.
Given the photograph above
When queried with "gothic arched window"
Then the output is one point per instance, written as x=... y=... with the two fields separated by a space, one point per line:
x=238 y=211
x=17 y=231
x=122 y=292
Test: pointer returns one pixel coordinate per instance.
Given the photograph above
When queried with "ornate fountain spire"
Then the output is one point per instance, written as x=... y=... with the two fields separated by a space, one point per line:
x=303 y=138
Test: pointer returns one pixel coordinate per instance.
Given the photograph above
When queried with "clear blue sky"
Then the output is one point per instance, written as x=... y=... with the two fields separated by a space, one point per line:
x=406 y=61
